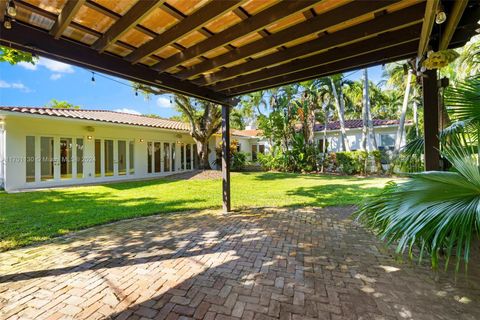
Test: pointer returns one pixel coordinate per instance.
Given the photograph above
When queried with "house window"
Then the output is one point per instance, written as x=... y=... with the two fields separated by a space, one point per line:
x=131 y=155
x=261 y=149
x=387 y=140
x=79 y=159
x=108 y=158
x=254 y=152
x=174 y=146
x=122 y=157
x=182 y=157
x=166 y=156
x=47 y=158
x=196 y=160
x=157 y=153
x=98 y=158
x=30 y=159
x=149 y=156
x=66 y=158
x=188 y=152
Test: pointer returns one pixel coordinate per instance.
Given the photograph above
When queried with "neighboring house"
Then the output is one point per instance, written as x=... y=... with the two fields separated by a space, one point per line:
x=250 y=141
x=385 y=133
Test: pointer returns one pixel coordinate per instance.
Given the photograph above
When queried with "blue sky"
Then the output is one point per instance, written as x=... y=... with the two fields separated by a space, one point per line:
x=35 y=85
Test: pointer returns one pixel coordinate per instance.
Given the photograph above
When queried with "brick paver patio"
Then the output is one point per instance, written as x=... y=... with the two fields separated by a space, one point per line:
x=259 y=264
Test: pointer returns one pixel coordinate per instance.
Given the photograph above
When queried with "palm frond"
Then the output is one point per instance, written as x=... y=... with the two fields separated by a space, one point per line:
x=437 y=212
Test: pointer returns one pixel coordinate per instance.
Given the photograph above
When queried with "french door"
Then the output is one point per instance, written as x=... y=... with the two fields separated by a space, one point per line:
x=60 y=158
x=114 y=158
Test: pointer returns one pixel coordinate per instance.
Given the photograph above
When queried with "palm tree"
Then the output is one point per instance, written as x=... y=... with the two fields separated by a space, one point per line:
x=403 y=113
x=439 y=212
x=334 y=86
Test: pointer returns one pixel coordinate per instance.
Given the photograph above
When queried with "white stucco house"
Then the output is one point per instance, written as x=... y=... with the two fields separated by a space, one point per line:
x=44 y=147
x=385 y=133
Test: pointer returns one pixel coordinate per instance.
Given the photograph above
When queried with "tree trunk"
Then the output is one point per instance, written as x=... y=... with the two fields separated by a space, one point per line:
x=401 y=124
x=202 y=150
x=415 y=112
x=371 y=129
x=365 y=101
x=341 y=118
x=324 y=147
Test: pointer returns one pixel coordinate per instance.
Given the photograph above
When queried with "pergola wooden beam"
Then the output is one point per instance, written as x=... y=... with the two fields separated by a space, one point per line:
x=31 y=39
x=313 y=26
x=198 y=19
x=428 y=22
x=69 y=10
x=139 y=11
x=379 y=42
x=3 y=7
x=402 y=51
x=247 y=26
x=367 y=29
x=453 y=18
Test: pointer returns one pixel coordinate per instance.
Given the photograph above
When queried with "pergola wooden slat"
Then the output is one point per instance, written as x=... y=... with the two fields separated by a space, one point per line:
x=65 y=17
x=219 y=49
x=139 y=11
x=315 y=25
x=381 y=24
x=249 y=25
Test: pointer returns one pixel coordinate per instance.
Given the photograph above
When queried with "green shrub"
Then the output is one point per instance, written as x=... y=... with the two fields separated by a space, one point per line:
x=239 y=160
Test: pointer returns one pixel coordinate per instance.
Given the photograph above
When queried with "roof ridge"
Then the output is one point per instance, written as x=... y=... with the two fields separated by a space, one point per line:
x=94 y=110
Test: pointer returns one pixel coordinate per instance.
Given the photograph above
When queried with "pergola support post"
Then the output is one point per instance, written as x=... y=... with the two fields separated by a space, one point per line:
x=431 y=120
x=226 y=158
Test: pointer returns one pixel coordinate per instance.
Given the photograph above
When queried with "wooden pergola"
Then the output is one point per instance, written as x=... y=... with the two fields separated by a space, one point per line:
x=219 y=49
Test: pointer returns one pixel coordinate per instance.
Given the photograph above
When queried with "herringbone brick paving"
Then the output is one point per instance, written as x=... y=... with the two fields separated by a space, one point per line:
x=255 y=264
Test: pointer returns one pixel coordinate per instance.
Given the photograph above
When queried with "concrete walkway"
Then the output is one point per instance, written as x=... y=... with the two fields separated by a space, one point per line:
x=258 y=264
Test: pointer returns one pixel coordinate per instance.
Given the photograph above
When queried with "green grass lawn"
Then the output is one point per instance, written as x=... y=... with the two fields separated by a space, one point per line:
x=35 y=216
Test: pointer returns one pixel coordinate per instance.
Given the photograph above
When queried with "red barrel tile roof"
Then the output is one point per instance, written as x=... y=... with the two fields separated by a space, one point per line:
x=103 y=116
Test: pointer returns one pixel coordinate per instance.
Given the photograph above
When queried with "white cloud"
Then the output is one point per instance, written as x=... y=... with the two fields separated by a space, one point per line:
x=55 y=76
x=163 y=102
x=14 y=85
x=54 y=66
x=28 y=65
x=126 y=110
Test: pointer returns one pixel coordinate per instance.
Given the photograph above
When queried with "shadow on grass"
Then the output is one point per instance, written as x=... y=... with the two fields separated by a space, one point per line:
x=270 y=176
x=38 y=216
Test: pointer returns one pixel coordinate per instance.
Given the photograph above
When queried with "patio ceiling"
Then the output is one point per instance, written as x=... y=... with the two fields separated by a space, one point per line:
x=216 y=50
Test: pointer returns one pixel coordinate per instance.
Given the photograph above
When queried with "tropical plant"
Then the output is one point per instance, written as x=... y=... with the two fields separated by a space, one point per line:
x=57 y=104
x=14 y=56
x=436 y=212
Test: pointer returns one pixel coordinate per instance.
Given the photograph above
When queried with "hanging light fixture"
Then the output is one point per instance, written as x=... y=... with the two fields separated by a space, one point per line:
x=136 y=92
x=441 y=16
x=170 y=99
x=11 y=9
x=93 y=76
x=7 y=23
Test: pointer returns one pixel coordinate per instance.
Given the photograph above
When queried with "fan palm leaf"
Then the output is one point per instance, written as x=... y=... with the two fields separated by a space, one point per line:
x=438 y=212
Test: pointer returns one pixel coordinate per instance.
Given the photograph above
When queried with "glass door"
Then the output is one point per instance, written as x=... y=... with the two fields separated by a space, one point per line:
x=47 y=159
x=66 y=158
x=108 y=158
x=122 y=157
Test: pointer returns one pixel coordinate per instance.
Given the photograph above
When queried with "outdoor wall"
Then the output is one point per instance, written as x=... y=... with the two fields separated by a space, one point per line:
x=354 y=137
x=18 y=127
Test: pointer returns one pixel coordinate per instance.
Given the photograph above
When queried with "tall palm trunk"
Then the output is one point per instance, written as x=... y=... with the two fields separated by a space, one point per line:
x=415 y=112
x=341 y=117
x=324 y=146
x=371 y=129
x=365 y=104
x=401 y=124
